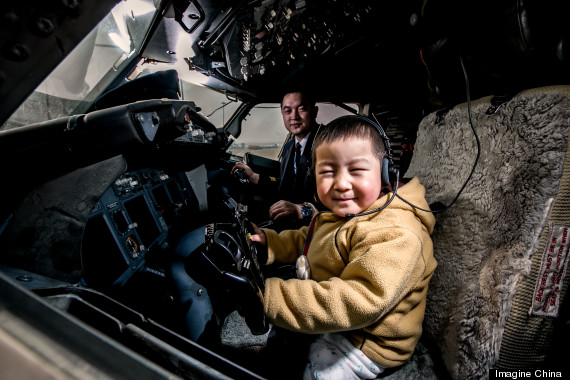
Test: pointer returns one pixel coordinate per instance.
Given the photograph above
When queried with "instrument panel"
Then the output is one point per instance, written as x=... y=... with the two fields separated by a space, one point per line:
x=277 y=36
x=132 y=218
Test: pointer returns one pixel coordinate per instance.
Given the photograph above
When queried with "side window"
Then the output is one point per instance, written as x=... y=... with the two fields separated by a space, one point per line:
x=263 y=133
x=216 y=106
x=328 y=111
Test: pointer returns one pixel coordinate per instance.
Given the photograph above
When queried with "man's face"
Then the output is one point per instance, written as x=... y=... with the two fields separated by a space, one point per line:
x=298 y=114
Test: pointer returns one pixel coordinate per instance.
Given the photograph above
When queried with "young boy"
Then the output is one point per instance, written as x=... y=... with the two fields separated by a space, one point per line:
x=369 y=273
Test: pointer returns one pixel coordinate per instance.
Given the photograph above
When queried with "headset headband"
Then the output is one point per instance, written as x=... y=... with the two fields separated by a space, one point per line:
x=389 y=172
x=377 y=126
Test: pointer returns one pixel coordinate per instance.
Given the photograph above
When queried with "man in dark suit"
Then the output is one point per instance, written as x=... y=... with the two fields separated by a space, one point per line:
x=299 y=113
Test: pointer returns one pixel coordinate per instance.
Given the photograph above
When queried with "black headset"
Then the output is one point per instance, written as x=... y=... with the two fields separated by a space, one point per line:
x=389 y=172
x=389 y=175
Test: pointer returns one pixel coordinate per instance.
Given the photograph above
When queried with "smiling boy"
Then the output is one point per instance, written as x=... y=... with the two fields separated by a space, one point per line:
x=369 y=269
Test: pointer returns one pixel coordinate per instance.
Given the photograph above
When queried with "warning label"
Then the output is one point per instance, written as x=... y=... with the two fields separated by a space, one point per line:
x=546 y=299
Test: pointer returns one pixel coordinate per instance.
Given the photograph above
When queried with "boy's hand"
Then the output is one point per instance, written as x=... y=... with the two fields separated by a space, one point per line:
x=258 y=235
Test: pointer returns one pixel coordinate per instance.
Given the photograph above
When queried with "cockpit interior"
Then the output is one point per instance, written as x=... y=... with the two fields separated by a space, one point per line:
x=125 y=245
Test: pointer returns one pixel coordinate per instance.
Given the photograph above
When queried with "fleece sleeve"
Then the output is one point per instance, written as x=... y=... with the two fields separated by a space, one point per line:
x=382 y=269
x=286 y=246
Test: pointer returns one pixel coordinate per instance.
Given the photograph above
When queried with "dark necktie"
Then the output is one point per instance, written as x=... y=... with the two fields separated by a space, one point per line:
x=297 y=158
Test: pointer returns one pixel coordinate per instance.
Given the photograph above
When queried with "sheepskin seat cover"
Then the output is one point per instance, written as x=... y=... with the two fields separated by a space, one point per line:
x=485 y=242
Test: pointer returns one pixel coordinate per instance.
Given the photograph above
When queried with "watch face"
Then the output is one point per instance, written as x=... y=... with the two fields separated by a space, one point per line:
x=306 y=211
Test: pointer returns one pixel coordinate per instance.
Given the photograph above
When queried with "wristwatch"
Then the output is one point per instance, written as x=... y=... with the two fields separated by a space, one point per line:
x=307 y=210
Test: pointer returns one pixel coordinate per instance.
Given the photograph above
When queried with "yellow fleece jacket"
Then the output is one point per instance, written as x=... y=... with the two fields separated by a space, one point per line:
x=369 y=277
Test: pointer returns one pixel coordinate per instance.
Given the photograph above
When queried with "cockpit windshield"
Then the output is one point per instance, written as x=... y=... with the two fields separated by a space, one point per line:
x=86 y=72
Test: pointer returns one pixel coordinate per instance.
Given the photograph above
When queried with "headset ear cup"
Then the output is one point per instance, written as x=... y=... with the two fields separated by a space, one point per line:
x=386 y=171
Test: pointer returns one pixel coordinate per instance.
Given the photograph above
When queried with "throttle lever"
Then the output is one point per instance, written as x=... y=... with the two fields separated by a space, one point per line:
x=239 y=173
x=260 y=250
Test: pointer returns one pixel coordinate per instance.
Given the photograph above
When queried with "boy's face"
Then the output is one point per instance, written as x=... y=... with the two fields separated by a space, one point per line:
x=348 y=175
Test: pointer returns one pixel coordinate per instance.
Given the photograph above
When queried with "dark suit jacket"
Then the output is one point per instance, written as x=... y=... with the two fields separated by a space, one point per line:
x=288 y=186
